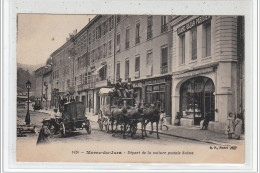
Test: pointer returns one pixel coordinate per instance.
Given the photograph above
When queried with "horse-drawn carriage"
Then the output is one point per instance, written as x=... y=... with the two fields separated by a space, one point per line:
x=118 y=110
x=73 y=118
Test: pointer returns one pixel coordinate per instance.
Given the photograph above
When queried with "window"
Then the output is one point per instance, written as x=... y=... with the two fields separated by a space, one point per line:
x=118 y=38
x=163 y=24
x=68 y=83
x=109 y=24
x=109 y=47
x=103 y=73
x=207 y=39
x=137 y=33
x=126 y=69
x=149 y=27
x=93 y=55
x=137 y=64
x=118 y=71
x=149 y=62
x=105 y=50
x=194 y=44
x=99 y=31
x=118 y=18
x=182 y=49
x=127 y=38
x=112 y=22
x=94 y=35
x=164 y=54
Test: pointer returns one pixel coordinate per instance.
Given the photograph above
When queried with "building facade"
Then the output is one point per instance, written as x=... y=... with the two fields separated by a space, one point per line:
x=47 y=84
x=144 y=55
x=193 y=65
x=207 y=79
x=39 y=85
x=63 y=83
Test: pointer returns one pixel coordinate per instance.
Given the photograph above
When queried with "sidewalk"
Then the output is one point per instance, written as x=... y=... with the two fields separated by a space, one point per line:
x=193 y=133
x=48 y=111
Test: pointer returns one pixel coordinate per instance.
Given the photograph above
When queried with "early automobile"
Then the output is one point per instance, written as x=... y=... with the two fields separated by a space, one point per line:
x=73 y=118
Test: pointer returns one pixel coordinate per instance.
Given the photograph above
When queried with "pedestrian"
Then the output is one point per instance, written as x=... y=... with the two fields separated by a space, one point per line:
x=230 y=125
x=238 y=126
x=163 y=120
x=177 y=119
x=53 y=122
x=44 y=133
x=205 y=122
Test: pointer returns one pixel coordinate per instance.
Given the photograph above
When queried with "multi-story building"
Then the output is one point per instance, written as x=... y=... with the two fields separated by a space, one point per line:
x=80 y=64
x=63 y=82
x=47 y=84
x=207 y=66
x=101 y=36
x=193 y=65
x=144 y=55
x=39 y=85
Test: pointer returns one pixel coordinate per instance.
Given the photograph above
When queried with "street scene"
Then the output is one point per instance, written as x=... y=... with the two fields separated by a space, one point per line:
x=154 y=82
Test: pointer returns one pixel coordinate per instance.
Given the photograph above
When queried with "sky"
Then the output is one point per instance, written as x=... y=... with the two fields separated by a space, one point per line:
x=39 y=35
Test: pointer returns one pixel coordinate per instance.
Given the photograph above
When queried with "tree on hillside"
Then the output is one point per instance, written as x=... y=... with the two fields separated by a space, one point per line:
x=22 y=77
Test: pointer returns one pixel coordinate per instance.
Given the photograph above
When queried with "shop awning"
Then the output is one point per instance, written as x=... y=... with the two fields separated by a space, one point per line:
x=105 y=90
x=97 y=70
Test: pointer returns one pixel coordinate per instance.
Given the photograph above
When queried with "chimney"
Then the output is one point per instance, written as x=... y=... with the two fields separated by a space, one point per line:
x=75 y=32
x=89 y=19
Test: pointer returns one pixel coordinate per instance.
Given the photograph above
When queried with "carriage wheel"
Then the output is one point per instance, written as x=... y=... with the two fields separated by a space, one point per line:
x=133 y=129
x=62 y=130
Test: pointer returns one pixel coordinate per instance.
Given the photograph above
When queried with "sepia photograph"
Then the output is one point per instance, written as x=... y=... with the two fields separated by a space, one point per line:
x=130 y=88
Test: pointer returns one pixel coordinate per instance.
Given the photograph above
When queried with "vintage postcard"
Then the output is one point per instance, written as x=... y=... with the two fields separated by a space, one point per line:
x=131 y=88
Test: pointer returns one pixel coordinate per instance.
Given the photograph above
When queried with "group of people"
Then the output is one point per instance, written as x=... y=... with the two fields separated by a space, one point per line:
x=234 y=126
x=45 y=133
x=124 y=89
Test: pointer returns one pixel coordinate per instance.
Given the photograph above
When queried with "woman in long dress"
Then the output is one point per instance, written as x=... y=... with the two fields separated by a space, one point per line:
x=238 y=126
x=163 y=120
x=44 y=134
x=230 y=126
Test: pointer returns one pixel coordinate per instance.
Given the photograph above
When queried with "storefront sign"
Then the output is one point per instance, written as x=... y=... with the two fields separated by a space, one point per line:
x=195 y=22
x=154 y=81
x=194 y=73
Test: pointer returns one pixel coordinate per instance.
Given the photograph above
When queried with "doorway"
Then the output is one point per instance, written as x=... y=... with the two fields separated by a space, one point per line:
x=197 y=99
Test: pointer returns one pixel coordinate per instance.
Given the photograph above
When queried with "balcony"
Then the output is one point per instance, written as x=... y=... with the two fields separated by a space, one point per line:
x=164 y=69
x=137 y=74
x=101 y=83
x=83 y=87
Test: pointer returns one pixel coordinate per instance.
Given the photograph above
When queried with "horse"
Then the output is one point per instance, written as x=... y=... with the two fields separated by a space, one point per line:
x=119 y=115
x=151 y=114
x=135 y=116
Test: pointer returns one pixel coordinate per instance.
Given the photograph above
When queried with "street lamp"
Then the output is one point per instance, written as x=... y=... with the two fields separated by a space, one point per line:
x=27 y=118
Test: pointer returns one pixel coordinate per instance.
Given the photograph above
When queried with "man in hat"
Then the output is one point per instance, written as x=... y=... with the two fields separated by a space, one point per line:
x=44 y=133
x=53 y=122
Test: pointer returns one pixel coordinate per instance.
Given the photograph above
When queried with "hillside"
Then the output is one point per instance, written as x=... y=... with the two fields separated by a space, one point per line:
x=30 y=68
x=22 y=77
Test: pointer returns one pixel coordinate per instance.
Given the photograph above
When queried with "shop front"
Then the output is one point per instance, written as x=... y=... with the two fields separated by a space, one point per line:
x=197 y=99
x=153 y=90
